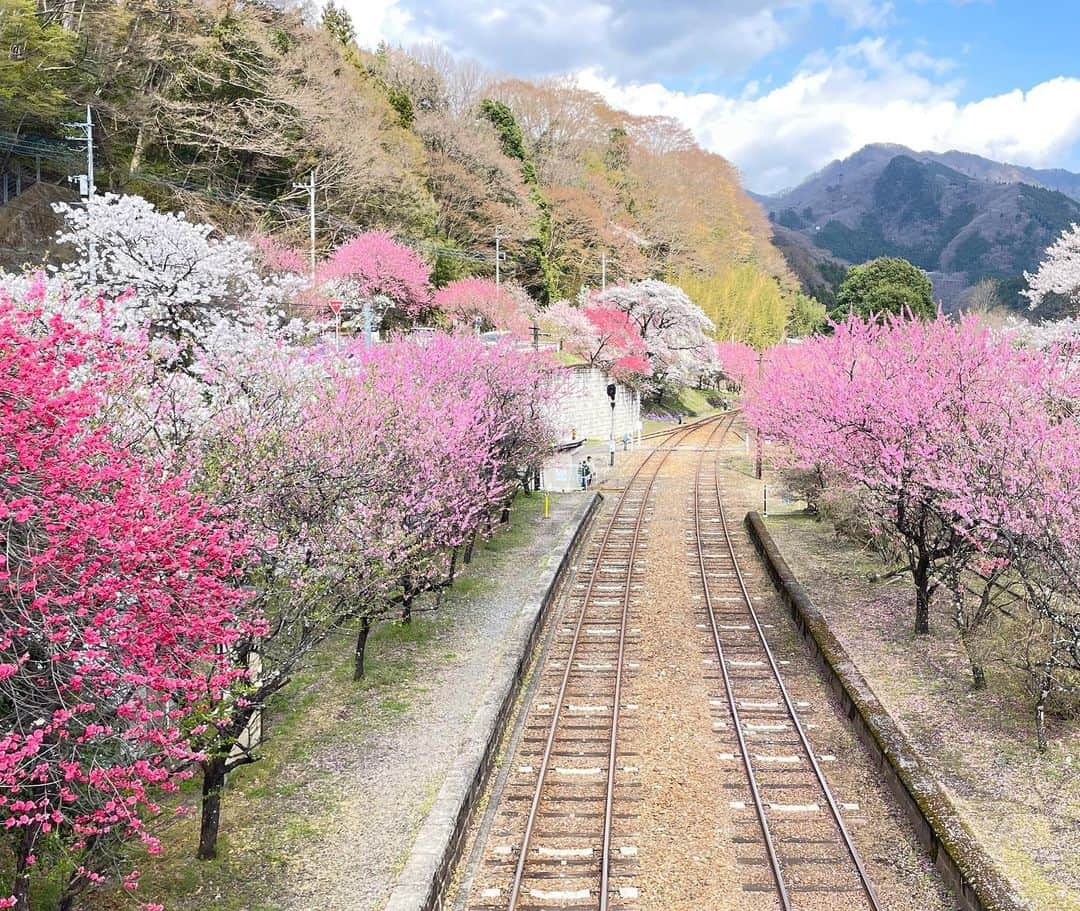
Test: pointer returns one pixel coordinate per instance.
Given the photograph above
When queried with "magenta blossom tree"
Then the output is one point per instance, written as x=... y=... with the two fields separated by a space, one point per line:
x=119 y=598
x=962 y=449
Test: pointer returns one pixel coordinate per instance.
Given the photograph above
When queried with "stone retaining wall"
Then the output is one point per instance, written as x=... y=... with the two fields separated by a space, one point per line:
x=962 y=861
x=437 y=849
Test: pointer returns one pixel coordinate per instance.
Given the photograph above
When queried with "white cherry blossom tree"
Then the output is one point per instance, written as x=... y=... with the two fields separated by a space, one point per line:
x=1059 y=272
x=678 y=335
x=174 y=277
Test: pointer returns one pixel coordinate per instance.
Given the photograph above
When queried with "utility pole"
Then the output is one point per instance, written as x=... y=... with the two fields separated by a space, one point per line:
x=611 y=391
x=86 y=184
x=603 y=271
x=309 y=188
x=498 y=257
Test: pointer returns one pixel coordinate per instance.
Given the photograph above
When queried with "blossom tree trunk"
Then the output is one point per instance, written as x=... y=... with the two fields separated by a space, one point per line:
x=213 y=784
x=920 y=572
x=361 y=647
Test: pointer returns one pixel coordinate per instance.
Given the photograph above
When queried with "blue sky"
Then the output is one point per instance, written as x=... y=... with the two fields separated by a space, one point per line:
x=782 y=87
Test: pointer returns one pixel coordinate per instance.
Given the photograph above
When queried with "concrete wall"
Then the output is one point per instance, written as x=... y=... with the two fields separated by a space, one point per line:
x=584 y=411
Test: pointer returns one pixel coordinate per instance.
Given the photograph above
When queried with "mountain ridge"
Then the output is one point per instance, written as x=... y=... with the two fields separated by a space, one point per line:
x=977 y=166
x=980 y=220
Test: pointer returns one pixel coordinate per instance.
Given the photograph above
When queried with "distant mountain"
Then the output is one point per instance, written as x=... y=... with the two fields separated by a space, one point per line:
x=960 y=217
x=995 y=172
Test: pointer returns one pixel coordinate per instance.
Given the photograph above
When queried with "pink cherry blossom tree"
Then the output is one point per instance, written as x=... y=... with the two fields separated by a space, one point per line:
x=363 y=472
x=376 y=270
x=619 y=347
x=361 y=476
x=738 y=362
x=915 y=419
x=604 y=336
x=962 y=447
x=478 y=303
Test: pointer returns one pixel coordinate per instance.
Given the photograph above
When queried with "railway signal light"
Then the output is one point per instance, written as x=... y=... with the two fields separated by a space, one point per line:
x=611 y=434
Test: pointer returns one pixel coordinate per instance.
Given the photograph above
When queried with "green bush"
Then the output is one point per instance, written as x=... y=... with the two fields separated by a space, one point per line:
x=885 y=285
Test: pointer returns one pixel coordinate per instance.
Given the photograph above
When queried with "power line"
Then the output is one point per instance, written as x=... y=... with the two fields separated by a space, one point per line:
x=335 y=221
x=37 y=148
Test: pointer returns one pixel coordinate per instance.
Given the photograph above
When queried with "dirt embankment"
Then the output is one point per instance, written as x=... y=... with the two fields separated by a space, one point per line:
x=28 y=227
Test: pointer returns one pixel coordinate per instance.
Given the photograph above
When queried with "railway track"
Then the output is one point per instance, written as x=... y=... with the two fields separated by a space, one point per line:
x=562 y=836
x=791 y=812
x=555 y=845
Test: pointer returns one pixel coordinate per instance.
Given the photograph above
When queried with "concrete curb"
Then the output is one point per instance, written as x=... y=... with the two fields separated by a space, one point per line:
x=437 y=849
x=962 y=861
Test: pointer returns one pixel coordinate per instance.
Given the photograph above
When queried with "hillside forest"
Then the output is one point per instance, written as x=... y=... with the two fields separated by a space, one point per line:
x=225 y=109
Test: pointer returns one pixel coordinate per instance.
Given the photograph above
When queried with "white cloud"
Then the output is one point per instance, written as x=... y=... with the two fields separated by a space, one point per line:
x=629 y=39
x=379 y=20
x=863 y=93
x=836 y=101
x=862 y=13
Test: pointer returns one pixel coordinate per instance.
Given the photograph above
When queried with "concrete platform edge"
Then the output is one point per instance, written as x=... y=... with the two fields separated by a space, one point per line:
x=441 y=839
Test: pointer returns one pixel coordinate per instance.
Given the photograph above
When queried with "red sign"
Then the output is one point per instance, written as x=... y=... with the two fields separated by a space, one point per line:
x=335 y=307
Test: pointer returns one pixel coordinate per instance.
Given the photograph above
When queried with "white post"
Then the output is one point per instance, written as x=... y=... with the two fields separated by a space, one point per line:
x=90 y=188
x=90 y=150
x=635 y=430
x=611 y=437
x=311 y=220
x=86 y=181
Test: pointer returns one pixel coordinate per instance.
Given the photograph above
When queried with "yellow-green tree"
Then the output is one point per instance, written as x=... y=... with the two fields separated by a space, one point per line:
x=745 y=303
x=37 y=65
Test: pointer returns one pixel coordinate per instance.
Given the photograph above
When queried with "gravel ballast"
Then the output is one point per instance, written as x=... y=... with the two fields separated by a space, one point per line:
x=683 y=814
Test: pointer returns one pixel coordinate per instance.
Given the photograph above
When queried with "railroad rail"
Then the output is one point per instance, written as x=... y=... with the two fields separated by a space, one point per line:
x=567 y=856
x=695 y=424
x=810 y=854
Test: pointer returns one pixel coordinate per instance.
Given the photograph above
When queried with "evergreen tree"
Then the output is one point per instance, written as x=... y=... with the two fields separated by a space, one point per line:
x=339 y=23
x=885 y=285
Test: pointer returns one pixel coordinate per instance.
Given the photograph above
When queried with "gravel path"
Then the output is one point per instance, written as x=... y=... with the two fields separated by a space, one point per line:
x=686 y=848
x=388 y=780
